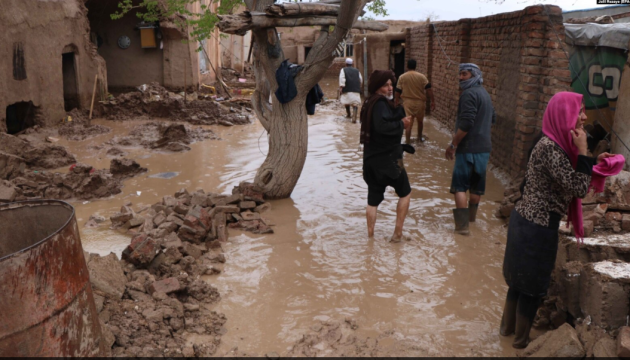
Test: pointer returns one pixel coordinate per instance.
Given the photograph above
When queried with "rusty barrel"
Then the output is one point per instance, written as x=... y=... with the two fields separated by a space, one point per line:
x=46 y=302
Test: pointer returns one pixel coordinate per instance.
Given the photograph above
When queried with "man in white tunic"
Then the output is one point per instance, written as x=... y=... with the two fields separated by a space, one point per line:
x=350 y=88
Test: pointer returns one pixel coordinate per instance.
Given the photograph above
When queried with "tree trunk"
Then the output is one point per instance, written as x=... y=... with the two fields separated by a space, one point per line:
x=288 y=142
x=287 y=124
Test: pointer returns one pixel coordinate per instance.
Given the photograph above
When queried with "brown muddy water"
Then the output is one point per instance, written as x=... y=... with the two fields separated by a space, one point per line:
x=441 y=291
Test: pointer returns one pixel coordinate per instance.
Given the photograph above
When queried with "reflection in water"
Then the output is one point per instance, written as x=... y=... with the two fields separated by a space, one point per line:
x=443 y=291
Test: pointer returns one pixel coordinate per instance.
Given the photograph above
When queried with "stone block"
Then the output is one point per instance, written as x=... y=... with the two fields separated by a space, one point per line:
x=625 y=222
x=199 y=199
x=175 y=219
x=120 y=219
x=7 y=193
x=169 y=201
x=134 y=222
x=141 y=251
x=228 y=200
x=181 y=209
x=562 y=342
x=605 y=293
x=246 y=205
x=166 y=286
x=106 y=276
x=248 y=215
x=171 y=240
x=623 y=342
x=189 y=249
x=263 y=208
x=605 y=348
x=194 y=235
x=159 y=218
x=227 y=209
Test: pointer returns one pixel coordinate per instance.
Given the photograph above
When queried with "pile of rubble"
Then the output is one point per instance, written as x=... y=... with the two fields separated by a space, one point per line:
x=155 y=101
x=24 y=175
x=163 y=136
x=157 y=296
x=81 y=182
x=78 y=128
x=198 y=217
x=17 y=154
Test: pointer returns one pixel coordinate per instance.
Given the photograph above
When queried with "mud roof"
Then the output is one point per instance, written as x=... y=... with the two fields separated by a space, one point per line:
x=610 y=35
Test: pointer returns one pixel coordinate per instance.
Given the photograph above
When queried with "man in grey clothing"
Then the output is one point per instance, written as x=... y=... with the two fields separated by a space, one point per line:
x=471 y=145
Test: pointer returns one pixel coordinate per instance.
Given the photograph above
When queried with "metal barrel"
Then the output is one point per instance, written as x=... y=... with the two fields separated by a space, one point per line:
x=46 y=302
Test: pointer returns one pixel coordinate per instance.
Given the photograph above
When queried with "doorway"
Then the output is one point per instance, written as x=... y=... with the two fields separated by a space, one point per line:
x=397 y=57
x=20 y=116
x=70 y=86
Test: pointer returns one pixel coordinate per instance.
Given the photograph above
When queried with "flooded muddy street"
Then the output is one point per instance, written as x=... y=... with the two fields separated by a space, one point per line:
x=443 y=293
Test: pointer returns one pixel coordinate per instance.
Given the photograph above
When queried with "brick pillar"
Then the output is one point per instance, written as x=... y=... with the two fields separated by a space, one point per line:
x=540 y=78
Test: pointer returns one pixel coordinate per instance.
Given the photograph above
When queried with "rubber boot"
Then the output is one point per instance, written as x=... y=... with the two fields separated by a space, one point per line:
x=354 y=114
x=472 y=209
x=461 y=221
x=348 y=115
x=508 y=320
x=521 y=333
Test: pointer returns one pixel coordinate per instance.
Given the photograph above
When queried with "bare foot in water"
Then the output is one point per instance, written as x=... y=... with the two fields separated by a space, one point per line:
x=396 y=239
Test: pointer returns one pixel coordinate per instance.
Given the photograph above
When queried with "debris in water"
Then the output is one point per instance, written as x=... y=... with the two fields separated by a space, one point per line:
x=165 y=175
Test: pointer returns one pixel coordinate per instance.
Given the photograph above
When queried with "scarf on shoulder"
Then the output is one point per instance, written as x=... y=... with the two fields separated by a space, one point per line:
x=559 y=119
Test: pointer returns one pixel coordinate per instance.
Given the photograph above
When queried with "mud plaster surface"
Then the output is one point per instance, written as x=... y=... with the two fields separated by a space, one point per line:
x=619 y=241
x=613 y=269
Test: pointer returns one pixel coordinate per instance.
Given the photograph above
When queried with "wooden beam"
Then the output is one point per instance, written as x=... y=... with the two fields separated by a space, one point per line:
x=240 y=23
x=304 y=9
x=296 y=9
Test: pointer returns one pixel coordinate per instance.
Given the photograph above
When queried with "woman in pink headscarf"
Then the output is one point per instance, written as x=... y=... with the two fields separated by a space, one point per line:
x=558 y=175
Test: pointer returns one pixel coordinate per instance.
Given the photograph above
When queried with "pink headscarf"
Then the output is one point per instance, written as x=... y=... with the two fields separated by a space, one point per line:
x=560 y=118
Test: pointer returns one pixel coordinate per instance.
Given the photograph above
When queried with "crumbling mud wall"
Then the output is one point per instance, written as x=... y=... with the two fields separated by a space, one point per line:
x=36 y=34
x=523 y=66
x=172 y=63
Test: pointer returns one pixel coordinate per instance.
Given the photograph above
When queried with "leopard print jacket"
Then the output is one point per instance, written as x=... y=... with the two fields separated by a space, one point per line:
x=551 y=183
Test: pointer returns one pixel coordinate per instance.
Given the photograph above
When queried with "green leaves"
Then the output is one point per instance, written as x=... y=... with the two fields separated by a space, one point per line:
x=200 y=15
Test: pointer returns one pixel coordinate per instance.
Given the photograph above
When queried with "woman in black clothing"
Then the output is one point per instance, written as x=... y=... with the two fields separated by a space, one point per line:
x=382 y=126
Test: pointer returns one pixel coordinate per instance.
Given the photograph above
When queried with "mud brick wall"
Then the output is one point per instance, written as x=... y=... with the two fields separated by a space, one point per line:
x=523 y=66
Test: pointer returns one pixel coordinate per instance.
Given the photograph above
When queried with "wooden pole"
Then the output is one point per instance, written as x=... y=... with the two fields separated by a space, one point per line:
x=185 y=71
x=93 y=95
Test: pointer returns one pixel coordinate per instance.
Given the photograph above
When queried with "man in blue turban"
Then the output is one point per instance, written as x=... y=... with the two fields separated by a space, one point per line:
x=471 y=145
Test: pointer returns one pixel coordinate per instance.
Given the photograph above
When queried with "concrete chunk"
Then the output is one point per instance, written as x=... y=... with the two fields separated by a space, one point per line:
x=562 y=342
x=605 y=293
x=107 y=276
x=166 y=286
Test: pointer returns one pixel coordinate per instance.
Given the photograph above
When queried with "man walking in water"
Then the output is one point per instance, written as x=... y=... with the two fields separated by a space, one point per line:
x=471 y=145
x=350 y=88
x=382 y=125
x=413 y=87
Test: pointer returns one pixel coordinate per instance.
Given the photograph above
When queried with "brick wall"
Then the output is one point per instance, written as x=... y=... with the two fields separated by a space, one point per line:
x=523 y=66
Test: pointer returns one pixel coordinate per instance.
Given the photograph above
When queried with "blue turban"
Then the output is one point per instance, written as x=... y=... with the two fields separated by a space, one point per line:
x=476 y=79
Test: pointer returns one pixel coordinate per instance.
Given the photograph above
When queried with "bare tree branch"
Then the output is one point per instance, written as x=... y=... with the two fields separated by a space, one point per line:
x=321 y=54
